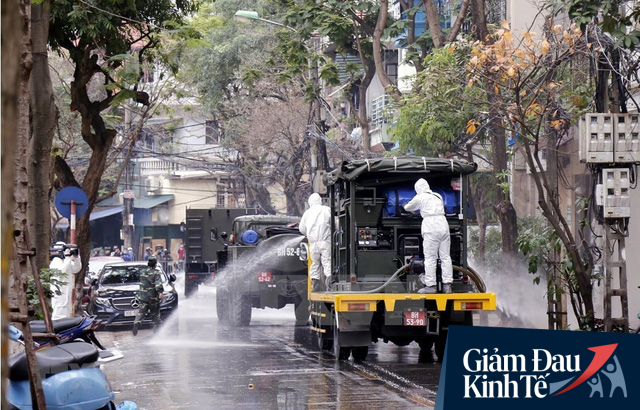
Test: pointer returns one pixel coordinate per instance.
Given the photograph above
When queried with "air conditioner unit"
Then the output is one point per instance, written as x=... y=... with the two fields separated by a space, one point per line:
x=152 y=184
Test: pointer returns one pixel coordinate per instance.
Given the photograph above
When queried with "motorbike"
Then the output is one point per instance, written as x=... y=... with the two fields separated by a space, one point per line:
x=71 y=377
x=68 y=330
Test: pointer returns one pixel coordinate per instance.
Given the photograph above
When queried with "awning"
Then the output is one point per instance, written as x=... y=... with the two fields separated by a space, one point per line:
x=149 y=202
x=96 y=214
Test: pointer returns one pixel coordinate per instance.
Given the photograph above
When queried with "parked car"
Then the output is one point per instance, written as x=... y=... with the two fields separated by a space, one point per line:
x=113 y=293
x=96 y=263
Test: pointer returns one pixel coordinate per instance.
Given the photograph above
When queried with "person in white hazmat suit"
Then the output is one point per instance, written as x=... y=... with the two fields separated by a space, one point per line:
x=315 y=224
x=70 y=265
x=436 y=241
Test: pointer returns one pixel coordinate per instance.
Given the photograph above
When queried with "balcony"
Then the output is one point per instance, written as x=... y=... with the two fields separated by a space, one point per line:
x=156 y=166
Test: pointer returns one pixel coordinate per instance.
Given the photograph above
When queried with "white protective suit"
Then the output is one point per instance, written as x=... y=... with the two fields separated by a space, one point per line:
x=435 y=232
x=61 y=304
x=316 y=225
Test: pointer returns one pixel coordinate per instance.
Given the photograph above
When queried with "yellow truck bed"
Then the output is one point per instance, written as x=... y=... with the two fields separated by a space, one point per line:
x=346 y=302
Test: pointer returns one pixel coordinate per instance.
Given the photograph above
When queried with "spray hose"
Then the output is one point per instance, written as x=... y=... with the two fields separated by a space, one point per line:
x=384 y=285
x=472 y=274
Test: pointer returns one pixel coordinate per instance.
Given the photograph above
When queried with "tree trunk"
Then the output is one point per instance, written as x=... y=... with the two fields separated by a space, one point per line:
x=361 y=113
x=503 y=207
x=21 y=182
x=10 y=78
x=44 y=115
x=455 y=27
x=479 y=20
x=433 y=19
x=381 y=23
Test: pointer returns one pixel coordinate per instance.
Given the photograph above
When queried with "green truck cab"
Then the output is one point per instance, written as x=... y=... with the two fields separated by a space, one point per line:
x=263 y=266
x=203 y=230
x=376 y=254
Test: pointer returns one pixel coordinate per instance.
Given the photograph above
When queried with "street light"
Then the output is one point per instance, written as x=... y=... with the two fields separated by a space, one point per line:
x=246 y=16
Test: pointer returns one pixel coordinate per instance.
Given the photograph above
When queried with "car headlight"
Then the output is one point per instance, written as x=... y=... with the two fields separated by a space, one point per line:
x=103 y=302
x=167 y=298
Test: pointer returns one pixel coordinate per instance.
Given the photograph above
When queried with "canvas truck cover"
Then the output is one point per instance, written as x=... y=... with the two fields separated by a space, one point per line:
x=352 y=170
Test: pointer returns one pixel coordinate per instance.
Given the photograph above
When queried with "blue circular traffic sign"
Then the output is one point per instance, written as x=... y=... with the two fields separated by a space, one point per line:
x=68 y=194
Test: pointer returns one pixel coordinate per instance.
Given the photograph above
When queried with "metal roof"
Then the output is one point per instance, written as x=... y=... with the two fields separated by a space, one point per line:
x=149 y=202
x=95 y=214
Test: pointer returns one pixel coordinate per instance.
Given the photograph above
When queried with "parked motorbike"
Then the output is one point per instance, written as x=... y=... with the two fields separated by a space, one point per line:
x=71 y=377
x=68 y=329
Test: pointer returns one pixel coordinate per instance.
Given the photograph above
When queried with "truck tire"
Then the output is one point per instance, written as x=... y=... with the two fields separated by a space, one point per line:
x=302 y=312
x=359 y=353
x=441 y=343
x=425 y=355
x=340 y=352
x=223 y=305
x=189 y=287
x=324 y=342
x=241 y=310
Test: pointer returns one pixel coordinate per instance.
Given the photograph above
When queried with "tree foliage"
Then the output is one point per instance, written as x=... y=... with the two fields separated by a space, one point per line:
x=536 y=79
x=617 y=17
x=433 y=119
x=98 y=37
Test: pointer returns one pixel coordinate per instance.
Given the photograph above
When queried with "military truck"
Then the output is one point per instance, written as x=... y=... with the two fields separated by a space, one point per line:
x=264 y=265
x=377 y=259
x=203 y=229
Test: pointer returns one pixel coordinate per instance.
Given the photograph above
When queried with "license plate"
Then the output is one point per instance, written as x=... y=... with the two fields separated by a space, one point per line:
x=130 y=312
x=264 y=277
x=415 y=318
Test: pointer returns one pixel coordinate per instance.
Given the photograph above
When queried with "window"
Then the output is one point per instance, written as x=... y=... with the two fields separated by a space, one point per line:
x=211 y=133
x=377 y=109
x=221 y=196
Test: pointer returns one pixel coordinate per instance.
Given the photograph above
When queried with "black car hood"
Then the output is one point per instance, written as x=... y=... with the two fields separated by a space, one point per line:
x=119 y=290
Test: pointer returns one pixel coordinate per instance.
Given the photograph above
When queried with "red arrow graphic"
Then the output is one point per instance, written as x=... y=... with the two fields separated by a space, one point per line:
x=603 y=353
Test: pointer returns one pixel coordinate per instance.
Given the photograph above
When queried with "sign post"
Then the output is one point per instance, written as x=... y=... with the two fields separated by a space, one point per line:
x=72 y=203
x=72 y=222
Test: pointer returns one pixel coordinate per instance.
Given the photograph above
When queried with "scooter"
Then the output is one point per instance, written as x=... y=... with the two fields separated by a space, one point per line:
x=68 y=329
x=71 y=377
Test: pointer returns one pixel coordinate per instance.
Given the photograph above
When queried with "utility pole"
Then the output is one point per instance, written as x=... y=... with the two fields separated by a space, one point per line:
x=127 y=209
x=128 y=195
x=319 y=148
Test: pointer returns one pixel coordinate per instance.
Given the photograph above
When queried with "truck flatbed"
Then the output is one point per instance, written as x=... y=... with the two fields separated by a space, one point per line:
x=461 y=301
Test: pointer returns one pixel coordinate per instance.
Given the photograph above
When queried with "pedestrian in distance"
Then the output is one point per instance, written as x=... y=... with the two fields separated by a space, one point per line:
x=148 y=253
x=315 y=225
x=127 y=256
x=149 y=295
x=116 y=251
x=182 y=253
x=436 y=241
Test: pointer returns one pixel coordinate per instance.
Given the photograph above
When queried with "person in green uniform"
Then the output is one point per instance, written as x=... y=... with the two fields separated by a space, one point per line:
x=149 y=294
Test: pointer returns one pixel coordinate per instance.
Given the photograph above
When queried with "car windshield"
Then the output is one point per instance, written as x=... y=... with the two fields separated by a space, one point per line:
x=97 y=263
x=115 y=275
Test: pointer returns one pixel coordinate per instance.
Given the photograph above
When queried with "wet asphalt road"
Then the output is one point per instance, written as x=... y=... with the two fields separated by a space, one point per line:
x=193 y=362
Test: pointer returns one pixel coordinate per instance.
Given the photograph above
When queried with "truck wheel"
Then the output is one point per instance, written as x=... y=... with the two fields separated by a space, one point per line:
x=241 y=310
x=302 y=312
x=425 y=355
x=340 y=352
x=222 y=305
x=441 y=343
x=324 y=343
x=189 y=288
x=425 y=345
x=359 y=353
